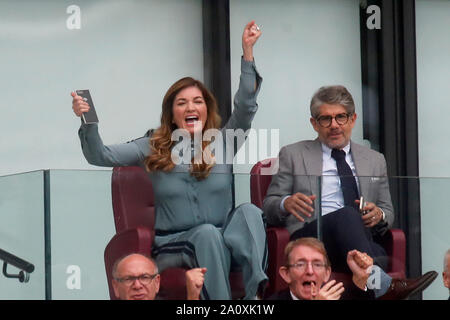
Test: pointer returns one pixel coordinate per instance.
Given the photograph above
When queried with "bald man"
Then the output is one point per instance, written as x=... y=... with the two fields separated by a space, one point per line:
x=136 y=277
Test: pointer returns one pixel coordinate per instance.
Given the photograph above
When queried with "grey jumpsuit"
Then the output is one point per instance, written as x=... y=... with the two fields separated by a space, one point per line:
x=196 y=225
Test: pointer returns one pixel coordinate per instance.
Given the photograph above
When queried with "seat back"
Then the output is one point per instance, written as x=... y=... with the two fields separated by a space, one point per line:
x=134 y=218
x=277 y=237
x=132 y=198
x=138 y=240
x=260 y=178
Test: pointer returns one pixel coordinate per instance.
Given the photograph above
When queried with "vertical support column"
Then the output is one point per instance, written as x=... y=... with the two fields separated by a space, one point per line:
x=216 y=57
x=47 y=237
x=216 y=53
x=370 y=76
x=390 y=111
x=400 y=129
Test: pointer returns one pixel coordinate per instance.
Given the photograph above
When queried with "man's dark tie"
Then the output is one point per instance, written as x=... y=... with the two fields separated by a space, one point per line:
x=348 y=182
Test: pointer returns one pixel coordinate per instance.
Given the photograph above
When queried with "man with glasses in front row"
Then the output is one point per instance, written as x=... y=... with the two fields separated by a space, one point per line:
x=307 y=271
x=348 y=171
x=136 y=277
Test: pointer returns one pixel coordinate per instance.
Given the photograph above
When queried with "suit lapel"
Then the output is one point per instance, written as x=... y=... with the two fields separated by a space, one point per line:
x=312 y=155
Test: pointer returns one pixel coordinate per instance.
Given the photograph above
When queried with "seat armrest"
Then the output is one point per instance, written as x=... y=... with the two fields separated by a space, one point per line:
x=398 y=251
x=394 y=242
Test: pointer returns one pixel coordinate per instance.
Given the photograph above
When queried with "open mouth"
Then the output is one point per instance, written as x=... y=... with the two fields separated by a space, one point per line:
x=191 y=120
x=308 y=283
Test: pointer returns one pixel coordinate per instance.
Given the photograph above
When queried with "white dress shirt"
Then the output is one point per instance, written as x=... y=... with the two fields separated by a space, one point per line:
x=332 y=196
x=293 y=296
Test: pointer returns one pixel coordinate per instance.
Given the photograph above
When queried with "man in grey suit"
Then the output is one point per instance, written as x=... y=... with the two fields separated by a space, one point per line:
x=333 y=162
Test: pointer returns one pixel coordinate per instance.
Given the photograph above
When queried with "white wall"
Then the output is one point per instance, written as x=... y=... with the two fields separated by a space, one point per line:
x=127 y=53
x=433 y=70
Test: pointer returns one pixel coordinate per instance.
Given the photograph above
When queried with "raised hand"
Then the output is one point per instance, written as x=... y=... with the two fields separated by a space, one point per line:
x=79 y=106
x=330 y=291
x=249 y=37
x=360 y=264
x=194 y=282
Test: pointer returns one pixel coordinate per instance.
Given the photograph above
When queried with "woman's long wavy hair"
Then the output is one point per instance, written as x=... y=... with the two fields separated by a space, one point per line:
x=161 y=143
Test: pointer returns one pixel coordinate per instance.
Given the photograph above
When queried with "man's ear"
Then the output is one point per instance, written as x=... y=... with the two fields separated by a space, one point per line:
x=157 y=283
x=446 y=277
x=313 y=123
x=353 y=119
x=115 y=285
x=284 y=273
x=327 y=274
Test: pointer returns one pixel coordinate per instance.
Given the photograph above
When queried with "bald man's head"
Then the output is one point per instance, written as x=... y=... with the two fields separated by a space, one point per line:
x=135 y=277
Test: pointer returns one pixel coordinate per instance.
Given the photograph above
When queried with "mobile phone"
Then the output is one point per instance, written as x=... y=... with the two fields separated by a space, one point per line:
x=362 y=204
x=91 y=115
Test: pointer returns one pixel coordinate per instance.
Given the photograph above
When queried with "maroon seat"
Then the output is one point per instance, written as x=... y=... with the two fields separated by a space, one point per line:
x=134 y=218
x=278 y=237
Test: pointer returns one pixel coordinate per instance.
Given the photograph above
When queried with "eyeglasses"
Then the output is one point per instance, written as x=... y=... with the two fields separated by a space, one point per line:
x=302 y=265
x=144 y=279
x=341 y=119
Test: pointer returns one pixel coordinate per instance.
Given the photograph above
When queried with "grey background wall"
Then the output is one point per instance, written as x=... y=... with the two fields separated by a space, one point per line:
x=433 y=84
x=127 y=53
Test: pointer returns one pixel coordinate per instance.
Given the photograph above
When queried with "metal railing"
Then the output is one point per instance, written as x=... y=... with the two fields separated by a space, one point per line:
x=25 y=267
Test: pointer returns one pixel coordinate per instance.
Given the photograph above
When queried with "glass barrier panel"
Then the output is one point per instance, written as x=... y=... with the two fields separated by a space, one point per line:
x=435 y=232
x=82 y=224
x=22 y=233
x=417 y=212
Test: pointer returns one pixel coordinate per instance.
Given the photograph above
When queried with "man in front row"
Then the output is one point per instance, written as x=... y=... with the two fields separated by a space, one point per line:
x=291 y=199
x=446 y=272
x=136 y=277
x=307 y=270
